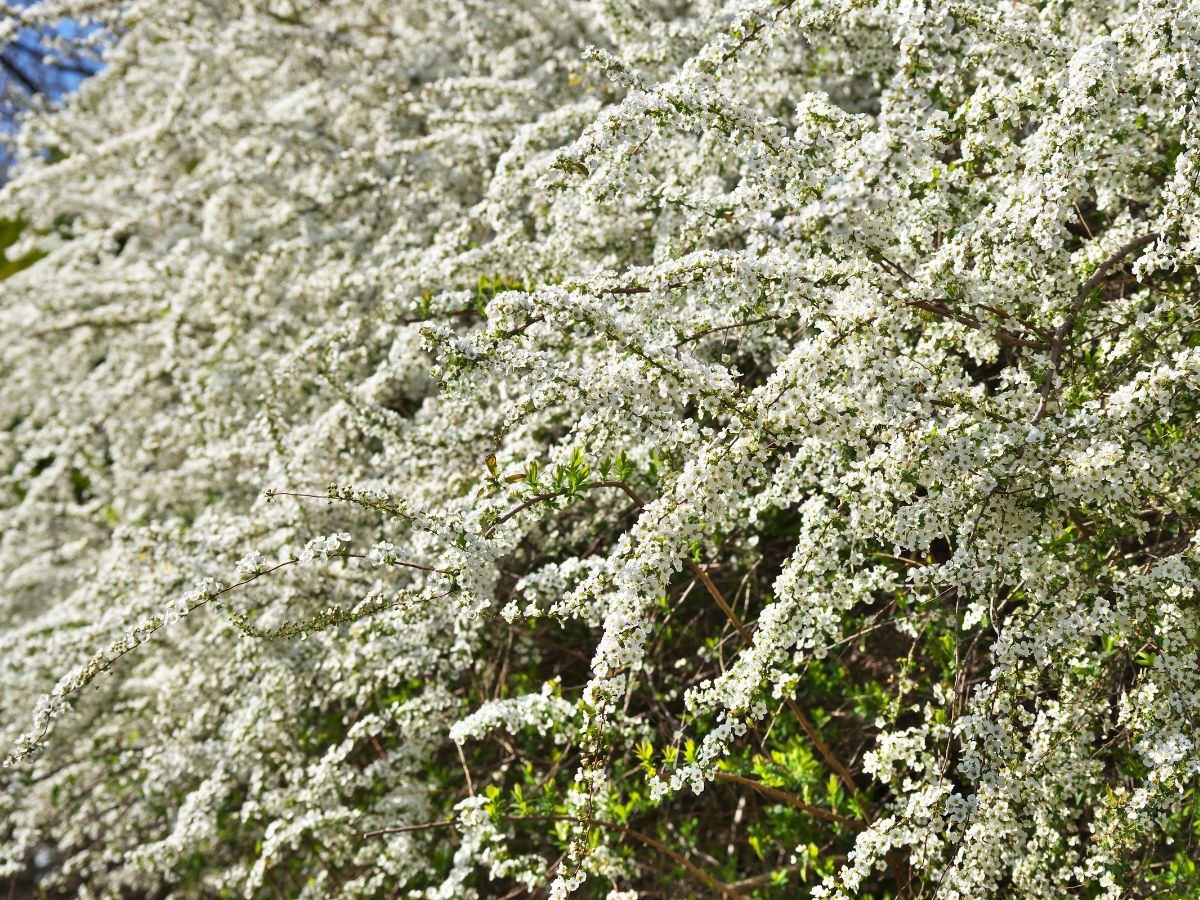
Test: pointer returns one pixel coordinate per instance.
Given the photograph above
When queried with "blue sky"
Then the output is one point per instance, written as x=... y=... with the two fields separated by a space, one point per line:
x=39 y=65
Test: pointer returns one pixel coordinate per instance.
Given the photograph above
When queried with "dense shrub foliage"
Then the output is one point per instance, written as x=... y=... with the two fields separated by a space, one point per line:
x=463 y=448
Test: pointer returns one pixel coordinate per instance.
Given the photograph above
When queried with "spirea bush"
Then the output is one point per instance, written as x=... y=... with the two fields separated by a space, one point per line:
x=497 y=448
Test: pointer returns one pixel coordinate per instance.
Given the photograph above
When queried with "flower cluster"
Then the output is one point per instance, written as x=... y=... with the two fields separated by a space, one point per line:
x=324 y=547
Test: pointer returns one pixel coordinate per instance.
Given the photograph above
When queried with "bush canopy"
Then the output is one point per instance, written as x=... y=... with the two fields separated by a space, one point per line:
x=499 y=448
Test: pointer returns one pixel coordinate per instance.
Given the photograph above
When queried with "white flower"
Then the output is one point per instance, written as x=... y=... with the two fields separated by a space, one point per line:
x=324 y=547
x=380 y=554
x=251 y=564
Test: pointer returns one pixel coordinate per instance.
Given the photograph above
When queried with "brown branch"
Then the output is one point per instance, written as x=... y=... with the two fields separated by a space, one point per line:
x=754 y=32
x=88 y=323
x=768 y=879
x=1081 y=297
x=531 y=321
x=408 y=829
x=1002 y=335
x=939 y=308
x=552 y=495
x=642 y=288
x=15 y=72
x=826 y=752
x=707 y=331
x=790 y=799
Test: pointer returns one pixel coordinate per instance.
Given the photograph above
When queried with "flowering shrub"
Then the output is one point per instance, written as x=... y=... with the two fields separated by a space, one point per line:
x=462 y=449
